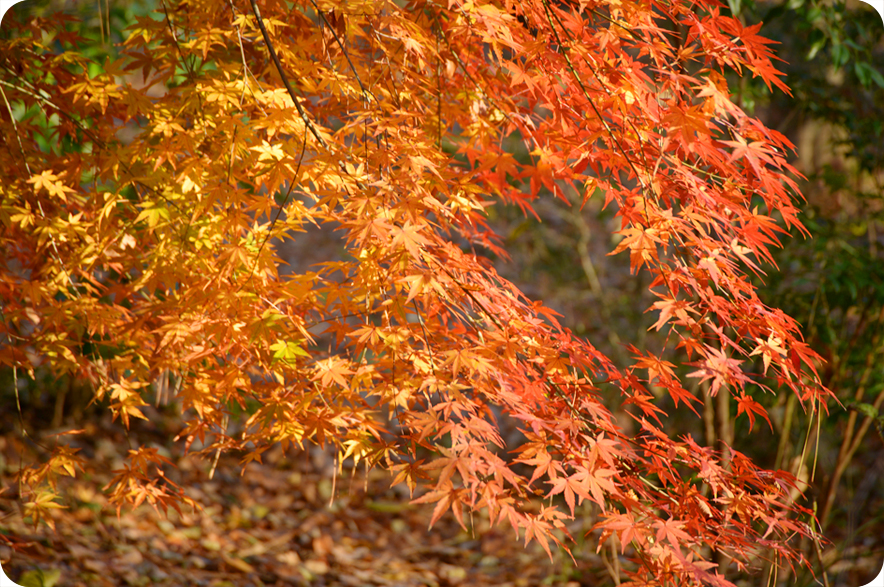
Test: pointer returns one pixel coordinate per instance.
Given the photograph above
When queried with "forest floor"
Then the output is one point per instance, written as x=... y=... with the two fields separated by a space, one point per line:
x=288 y=521
x=276 y=523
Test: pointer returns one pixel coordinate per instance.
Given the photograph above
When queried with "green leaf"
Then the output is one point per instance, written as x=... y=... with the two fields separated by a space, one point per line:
x=39 y=578
x=876 y=76
x=840 y=55
x=862 y=72
x=153 y=215
x=867 y=410
x=815 y=48
x=287 y=352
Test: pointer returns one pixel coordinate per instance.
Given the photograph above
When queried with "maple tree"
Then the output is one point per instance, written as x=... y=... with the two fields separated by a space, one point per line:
x=144 y=198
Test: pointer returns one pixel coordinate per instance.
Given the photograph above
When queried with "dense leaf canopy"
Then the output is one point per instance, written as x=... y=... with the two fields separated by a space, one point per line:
x=144 y=200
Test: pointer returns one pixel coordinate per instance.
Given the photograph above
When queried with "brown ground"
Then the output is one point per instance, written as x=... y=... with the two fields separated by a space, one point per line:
x=274 y=525
x=271 y=526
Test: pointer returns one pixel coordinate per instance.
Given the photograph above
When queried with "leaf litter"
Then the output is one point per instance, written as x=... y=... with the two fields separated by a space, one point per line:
x=276 y=524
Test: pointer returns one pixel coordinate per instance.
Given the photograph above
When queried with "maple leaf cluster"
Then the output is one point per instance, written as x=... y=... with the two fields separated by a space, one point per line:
x=143 y=203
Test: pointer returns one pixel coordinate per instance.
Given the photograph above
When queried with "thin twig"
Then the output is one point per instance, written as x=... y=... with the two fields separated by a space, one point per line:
x=365 y=92
x=285 y=79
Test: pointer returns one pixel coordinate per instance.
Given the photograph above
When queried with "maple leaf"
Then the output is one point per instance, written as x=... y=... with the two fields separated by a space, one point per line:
x=768 y=349
x=287 y=352
x=720 y=368
x=40 y=506
x=756 y=153
x=52 y=184
x=445 y=497
x=411 y=238
x=750 y=407
x=570 y=487
x=678 y=393
x=642 y=245
x=687 y=121
x=624 y=524
x=542 y=462
x=669 y=308
x=332 y=370
x=657 y=367
x=671 y=530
